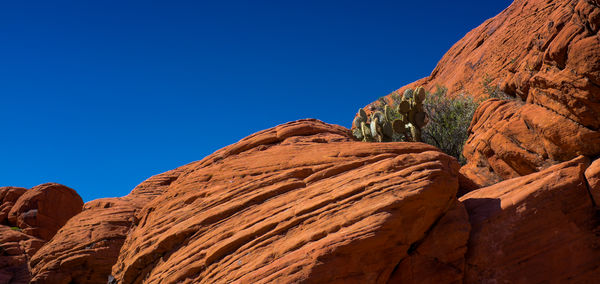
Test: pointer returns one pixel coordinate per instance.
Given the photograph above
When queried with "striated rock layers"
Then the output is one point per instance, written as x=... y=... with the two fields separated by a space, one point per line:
x=300 y=202
x=29 y=218
x=44 y=209
x=547 y=53
x=16 y=248
x=86 y=248
x=540 y=228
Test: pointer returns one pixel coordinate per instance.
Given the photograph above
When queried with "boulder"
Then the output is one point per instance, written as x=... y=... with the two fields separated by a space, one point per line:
x=16 y=248
x=540 y=228
x=8 y=197
x=300 y=202
x=42 y=210
x=592 y=174
x=87 y=246
x=510 y=139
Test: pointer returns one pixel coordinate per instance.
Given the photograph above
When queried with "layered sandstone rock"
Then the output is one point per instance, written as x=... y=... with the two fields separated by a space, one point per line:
x=592 y=175
x=532 y=47
x=440 y=257
x=16 y=248
x=298 y=202
x=87 y=247
x=547 y=53
x=8 y=197
x=44 y=209
x=28 y=219
x=541 y=228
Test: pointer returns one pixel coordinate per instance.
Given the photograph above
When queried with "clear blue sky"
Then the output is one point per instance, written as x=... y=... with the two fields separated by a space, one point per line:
x=100 y=95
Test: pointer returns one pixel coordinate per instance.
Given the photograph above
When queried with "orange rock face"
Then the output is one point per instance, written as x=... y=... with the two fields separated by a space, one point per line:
x=510 y=139
x=298 y=202
x=440 y=257
x=548 y=49
x=16 y=248
x=592 y=175
x=42 y=210
x=8 y=197
x=87 y=247
x=541 y=228
x=547 y=53
x=28 y=219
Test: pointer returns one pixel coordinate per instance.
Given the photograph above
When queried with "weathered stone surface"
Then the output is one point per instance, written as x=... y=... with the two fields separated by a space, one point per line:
x=8 y=197
x=15 y=250
x=532 y=47
x=541 y=228
x=440 y=258
x=43 y=209
x=592 y=174
x=87 y=247
x=298 y=202
x=547 y=53
x=510 y=139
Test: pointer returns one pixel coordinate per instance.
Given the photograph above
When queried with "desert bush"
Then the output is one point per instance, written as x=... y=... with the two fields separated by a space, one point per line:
x=493 y=91
x=449 y=120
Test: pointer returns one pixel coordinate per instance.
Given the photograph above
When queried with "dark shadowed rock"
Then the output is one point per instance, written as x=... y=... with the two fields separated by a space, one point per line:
x=540 y=228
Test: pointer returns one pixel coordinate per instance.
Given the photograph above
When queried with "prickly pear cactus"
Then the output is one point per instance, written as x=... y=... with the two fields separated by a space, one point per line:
x=402 y=121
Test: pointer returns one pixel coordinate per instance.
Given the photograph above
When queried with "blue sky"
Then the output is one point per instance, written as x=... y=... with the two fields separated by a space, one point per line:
x=100 y=95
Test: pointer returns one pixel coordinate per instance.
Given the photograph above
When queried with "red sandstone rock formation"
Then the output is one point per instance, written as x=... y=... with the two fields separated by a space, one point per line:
x=548 y=54
x=298 y=202
x=86 y=248
x=302 y=202
x=42 y=210
x=541 y=228
x=8 y=197
x=592 y=174
x=440 y=257
x=16 y=249
x=28 y=219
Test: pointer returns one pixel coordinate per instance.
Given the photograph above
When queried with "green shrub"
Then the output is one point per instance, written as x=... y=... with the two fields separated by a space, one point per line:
x=493 y=91
x=449 y=120
x=15 y=229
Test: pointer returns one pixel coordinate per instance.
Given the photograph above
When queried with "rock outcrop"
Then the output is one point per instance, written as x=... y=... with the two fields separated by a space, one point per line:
x=44 y=209
x=16 y=248
x=541 y=228
x=87 y=247
x=298 y=202
x=440 y=257
x=592 y=174
x=303 y=202
x=547 y=53
x=29 y=218
x=8 y=197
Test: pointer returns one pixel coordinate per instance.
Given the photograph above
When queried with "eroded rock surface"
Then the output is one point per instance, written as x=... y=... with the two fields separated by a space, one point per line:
x=16 y=248
x=43 y=209
x=541 y=228
x=592 y=175
x=298 y=202
x=8 y=197
x=509 y=139
x=547 y=54
x=440 y=257
x=87 y=247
